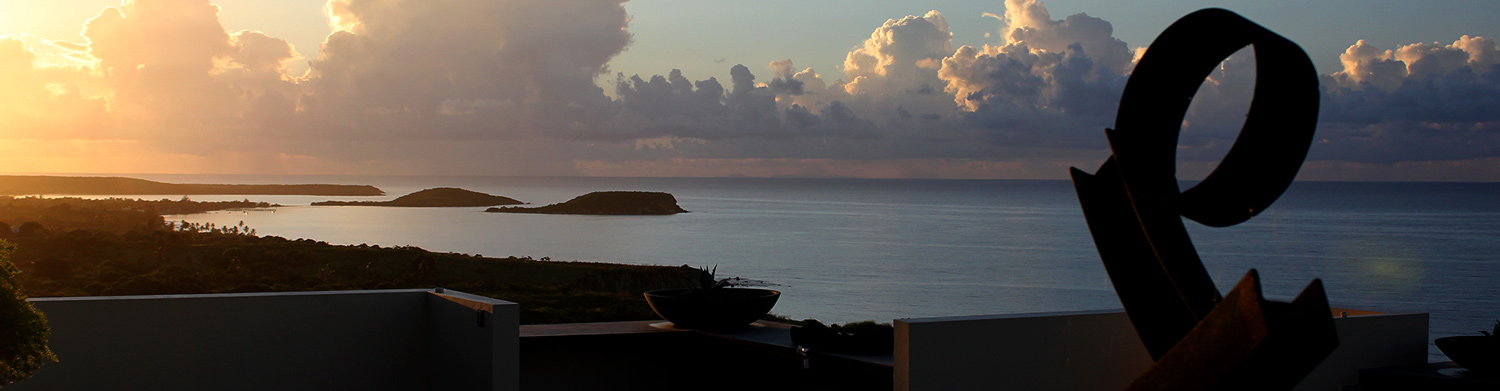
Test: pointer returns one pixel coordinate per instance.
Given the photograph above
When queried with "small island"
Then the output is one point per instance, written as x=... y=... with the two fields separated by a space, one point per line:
x=435 y=197
x=60 y=185
x=608 y=203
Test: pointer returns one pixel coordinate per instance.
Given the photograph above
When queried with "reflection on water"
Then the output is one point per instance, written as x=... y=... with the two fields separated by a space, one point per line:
x=848 y=249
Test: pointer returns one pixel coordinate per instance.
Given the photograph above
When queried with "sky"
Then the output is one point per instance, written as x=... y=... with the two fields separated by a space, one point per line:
x=881 y=89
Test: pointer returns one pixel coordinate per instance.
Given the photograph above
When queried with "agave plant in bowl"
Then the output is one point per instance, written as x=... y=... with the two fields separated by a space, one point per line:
x=714 y=304
x=1478 y=353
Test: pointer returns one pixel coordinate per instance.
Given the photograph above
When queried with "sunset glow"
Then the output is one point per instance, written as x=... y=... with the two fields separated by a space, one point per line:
x=522 y=87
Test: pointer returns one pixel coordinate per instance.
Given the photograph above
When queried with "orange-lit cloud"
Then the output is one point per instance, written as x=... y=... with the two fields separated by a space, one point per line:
x=396 y=82
x=1419 y=105
x=508 y=87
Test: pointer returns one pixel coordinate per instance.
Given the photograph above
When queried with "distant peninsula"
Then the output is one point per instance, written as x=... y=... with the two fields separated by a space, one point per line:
x=65 y=185
x=436 y=197
x=608 y=203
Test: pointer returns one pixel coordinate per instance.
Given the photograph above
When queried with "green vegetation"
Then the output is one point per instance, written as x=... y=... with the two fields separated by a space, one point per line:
x=438 y=197
x=112 y=214
x=135 y=252
x=23 y=344
x=862 y=327
x=866 y=337
x=28 y=185
x=608 y=203
x=708 y=284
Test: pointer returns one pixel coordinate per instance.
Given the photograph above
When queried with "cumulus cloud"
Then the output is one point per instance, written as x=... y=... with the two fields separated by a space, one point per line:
x=672 y=106
x=41 y=103
x=784 y=81
x=1368 y=66
x=397 y=79
x=1028 y=22
x=509 y=87
x=899 y=55
x=1052 y=82
x=908 y=94
x=1364 y=64
x=166 y=73
x=398 y=68
x=1418 y=102
x=1218 y=110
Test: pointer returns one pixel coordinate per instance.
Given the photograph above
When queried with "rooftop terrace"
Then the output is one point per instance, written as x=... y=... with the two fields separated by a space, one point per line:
x=440 y=340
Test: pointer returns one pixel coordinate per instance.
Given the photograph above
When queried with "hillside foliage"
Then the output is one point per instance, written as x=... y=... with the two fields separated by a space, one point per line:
x=131 y=251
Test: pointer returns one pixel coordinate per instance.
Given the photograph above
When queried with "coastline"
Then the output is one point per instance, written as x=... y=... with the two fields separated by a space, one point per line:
x=113 y=247
x=850 y=249
x=70 y=185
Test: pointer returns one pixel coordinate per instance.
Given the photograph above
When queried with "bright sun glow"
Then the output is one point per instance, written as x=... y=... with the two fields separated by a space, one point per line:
x=1003 y=89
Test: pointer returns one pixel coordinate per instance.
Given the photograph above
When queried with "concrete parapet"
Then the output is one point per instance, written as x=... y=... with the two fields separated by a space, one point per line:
x=1099 y=350
x=366 y=340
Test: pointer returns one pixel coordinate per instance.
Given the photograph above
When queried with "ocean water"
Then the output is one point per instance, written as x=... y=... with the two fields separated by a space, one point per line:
x=854 y=249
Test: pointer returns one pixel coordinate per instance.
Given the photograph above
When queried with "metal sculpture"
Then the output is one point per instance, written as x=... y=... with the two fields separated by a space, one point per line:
x=1199 y=339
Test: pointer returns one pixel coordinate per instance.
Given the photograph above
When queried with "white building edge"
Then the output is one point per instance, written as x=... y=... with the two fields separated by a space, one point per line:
x=420 y=339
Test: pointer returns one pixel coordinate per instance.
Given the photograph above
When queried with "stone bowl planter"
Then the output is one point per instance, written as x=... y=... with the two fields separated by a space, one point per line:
x=726 y=308
x=1475 y=353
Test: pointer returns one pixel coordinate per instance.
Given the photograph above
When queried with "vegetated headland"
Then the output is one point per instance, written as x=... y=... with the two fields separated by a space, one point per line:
x=436 y=197
x=111 y=214
x=81 y=247
x=64 y=185
x=608 y=203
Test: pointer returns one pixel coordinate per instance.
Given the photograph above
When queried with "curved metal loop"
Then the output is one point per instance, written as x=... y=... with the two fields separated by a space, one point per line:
x=1271 y=146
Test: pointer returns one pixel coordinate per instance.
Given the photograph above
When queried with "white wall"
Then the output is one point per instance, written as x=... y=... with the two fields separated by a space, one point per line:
x=475 y=342
x=1369 y=340
x=1092 y=350
x=365 y=340
x=1099 y=350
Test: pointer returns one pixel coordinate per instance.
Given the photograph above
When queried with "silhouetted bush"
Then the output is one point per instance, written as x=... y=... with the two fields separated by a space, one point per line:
x=23 y=345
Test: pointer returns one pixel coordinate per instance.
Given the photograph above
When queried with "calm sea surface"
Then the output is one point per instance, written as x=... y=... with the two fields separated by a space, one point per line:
x=855 y=249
